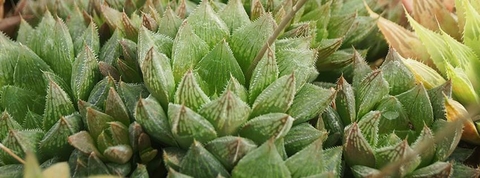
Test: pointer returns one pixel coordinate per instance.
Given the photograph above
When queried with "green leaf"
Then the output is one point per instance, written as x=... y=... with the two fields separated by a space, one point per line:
x=147 y=40
x=130 y=93
x=262 y=162
x=220 y=58
x=394 y=116
x=437 y=169
x=85 y=73
x=88 y=38
x=339 y=25
x=227 y=113
x=398 y=152
x=207 y=24
x=297 y=61
x=417 y=105
x=99 y=93
x=140 y=172
x=57 y=104
x=115 y=107
x=236 y=88
x=17 y=100
x=111 y=50
x=158 y=77
x=189 y=92
x=398 y=76
x=345 y=101
x=187 y=126
x=277 y=97
x=150 y=115
x=300 y=136
x=20 y=142
x=84 y=142
x=97 y=121
x=360 y=69
x=199 y=162
x=172 y=157
x=309 y=102
x=370 y=91
x=310 y=154
x=170 y=23
x=95 y=166
x=174 y=174
x=229 y=149
x=357 y=149
x=187 y=49
x=426 y=136
x=368 y=125
x=55 y=142
x=247 y=40
x=264 y=127
x=54 y=46
x=234 y=15
x=264 y=74
x=7 y=123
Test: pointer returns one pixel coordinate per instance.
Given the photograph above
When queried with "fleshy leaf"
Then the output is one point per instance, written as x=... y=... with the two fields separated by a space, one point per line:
x=229 y=150
x=265 y=73
x=394 y=116
x=187 y=49
x=55 y=142
x=262 y=162
x=97 y=121
x=300 y=136
x=17 y=100
x=111 y=50
x=189 y=92
x=170 y=23
x=417 y=105
x=368 y=125
x=222 y=60
x=311 y=154
x=20 y=142
x=357 y=149
x=371 y=90
x=247 y=40
x=157 y=76
x=424 y=74
x=57 y=104
x=277 y=97
x=264 y=127
x=199 y=162
x=150 y=115
x=99 y=93
x=398 y=152
x=147 y=40
x=310 y=101
x=55 y=46
x=188 y=126
x=7 y=123
x=207 y=24
x=84 y=73
x=172 y=157
x=83 y=142
x=226 y=114
x=398 y=76
x=345 y=101
x=88 y=38
x=115 y=107
x=234 y=15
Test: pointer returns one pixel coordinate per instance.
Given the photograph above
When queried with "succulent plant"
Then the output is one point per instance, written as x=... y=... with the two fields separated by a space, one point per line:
x=449 y=48
x=196 y=85
x=393 y=126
